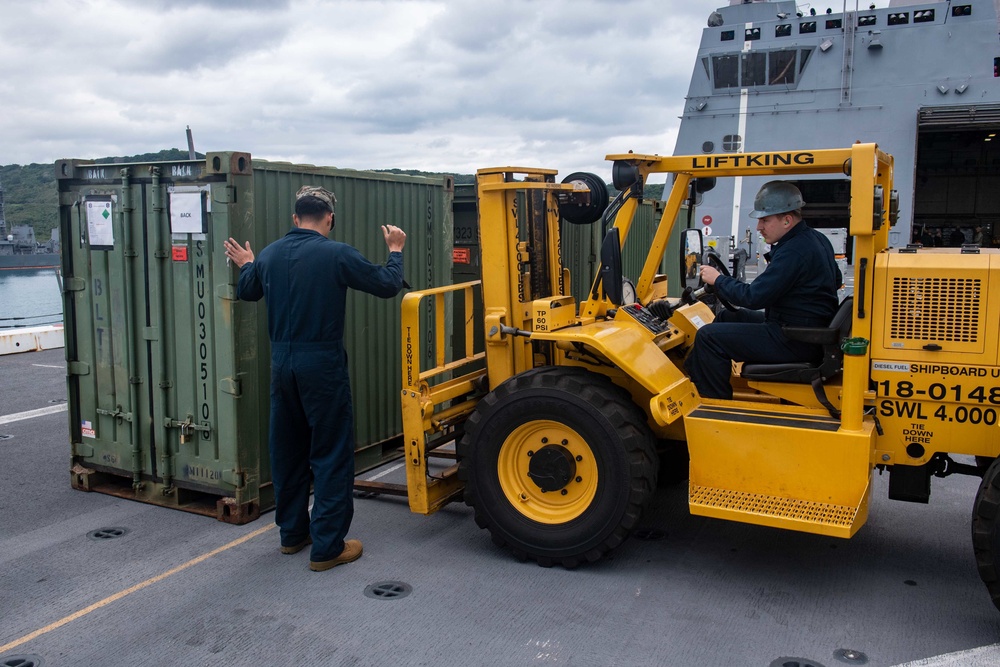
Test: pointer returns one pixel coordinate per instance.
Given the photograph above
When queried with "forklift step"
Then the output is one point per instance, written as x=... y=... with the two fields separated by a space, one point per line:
x=802 y=515
x=783 y=466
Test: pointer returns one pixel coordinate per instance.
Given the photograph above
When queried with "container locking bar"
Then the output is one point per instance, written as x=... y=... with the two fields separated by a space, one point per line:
x=117 y=413
x=187 y=428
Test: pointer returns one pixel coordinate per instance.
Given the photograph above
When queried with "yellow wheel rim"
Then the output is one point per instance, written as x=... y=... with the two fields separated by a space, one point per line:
x=527 y=497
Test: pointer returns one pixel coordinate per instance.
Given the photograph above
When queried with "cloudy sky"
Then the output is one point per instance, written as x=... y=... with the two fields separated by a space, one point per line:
x=447 y=85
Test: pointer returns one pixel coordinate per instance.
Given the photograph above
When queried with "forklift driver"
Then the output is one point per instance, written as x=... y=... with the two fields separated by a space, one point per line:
x=797 y=288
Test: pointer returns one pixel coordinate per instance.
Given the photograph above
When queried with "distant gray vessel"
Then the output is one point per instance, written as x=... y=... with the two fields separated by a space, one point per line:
x=19 y=250
x=921 y=79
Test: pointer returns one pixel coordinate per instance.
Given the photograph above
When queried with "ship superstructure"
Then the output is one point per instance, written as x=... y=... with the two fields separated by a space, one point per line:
x=20 y=250
x=921 y=79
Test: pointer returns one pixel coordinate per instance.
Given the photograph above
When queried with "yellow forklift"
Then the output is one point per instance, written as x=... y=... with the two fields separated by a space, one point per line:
x=561 y=414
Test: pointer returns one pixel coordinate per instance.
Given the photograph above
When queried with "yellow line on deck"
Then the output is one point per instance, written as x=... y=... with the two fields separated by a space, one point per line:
x=128 y=591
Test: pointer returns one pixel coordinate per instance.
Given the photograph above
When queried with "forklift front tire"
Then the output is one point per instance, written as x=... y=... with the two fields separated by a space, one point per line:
x=558 y=464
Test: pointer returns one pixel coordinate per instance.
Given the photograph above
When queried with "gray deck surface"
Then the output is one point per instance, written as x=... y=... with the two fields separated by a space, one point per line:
x=709 y=593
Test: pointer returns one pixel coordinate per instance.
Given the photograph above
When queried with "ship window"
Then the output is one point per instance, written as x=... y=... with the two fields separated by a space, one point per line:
x=961 y=10
x=804 y=58
x=732 y=143
x=759 y=69
x=751 y=34
x=784 y=30
x=865 y=21
x=707 y=147
x=832 y=24
x=923 y=16
x=900 y=18
x=807 y=26
x=728 y=35
x=781 y=68
x=725 y=71
x=753 y=69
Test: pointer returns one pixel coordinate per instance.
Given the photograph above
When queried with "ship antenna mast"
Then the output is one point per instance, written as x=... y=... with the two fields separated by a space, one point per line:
x=847 y=69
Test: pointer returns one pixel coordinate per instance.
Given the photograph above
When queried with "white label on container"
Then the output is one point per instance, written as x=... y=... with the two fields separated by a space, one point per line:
x=185 y=213
x=99 y=227
x=87 y=429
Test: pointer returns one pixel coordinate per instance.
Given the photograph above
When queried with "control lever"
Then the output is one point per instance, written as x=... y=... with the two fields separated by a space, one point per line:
x=664 y=310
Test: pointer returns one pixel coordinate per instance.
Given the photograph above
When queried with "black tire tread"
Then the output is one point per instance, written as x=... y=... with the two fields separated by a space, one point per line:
x=617 y=406
x=985 y=536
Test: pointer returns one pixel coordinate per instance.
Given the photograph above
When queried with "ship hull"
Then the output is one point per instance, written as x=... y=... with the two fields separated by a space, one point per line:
x=42 y=260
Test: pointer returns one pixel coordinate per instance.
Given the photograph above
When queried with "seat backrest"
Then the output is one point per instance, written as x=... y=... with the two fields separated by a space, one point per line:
x=842 y=319
x=833 y=356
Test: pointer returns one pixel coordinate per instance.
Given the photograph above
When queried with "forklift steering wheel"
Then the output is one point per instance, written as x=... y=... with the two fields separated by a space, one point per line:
x=715 y=261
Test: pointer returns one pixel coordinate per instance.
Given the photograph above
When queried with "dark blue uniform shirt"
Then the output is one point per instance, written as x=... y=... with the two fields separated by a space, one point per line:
x=305 y=277
x=799 y=285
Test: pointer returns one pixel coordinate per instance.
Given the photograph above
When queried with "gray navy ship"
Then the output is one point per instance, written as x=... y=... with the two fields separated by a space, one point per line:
x=921 y=79
x=20 y=250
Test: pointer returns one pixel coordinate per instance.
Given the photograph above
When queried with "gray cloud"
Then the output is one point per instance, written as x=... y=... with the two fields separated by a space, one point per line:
x=432 y=84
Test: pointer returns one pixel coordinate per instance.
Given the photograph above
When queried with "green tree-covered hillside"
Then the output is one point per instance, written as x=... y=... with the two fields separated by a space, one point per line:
x=31 y=197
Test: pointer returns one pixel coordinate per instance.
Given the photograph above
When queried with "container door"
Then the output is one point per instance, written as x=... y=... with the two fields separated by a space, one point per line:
x=104 y=304
x=196 y=388
x=183 y=349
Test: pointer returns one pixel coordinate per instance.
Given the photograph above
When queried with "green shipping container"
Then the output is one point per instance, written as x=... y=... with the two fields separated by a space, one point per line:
x=168 y=374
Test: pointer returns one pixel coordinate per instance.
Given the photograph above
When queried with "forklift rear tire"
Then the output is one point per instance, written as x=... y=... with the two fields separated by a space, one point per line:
x=986 y=531
x=559 y=464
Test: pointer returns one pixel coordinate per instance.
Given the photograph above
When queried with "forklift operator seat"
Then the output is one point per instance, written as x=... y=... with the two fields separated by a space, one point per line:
x=811 y=373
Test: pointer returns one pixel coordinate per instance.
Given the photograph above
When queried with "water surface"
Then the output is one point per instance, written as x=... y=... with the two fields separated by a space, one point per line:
x=29 y=298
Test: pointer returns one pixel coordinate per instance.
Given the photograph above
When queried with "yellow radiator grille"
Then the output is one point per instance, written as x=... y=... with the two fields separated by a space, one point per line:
x=773 y=506
x=935 y=309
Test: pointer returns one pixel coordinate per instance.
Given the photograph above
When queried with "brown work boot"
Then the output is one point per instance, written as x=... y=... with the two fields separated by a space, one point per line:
x=352 y=552
x=295 y=548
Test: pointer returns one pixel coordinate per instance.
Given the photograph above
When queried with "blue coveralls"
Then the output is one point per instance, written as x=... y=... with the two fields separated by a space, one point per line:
x=798 y=288
x=304 y=278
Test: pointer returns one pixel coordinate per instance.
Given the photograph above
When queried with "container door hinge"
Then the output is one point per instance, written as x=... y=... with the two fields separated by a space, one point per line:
x=226 y=195
x=231 y=386
x=77 y=368
x=74 y=284
x=82 y=450
x=166 y=384
x=227 y=292
x=130 y=252
x=135 y=380
x=161 y=254
x=151 y=333
x=235 y=477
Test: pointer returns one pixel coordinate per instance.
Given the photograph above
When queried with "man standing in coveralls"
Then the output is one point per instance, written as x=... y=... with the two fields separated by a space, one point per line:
x=304 y=278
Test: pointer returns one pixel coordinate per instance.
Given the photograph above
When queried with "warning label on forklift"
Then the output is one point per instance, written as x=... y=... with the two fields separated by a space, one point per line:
x=890 y=366
x=924 y=393
x=937 y=369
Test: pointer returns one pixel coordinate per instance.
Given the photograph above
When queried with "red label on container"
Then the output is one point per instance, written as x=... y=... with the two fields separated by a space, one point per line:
x=461 y=255
x=180 y=253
